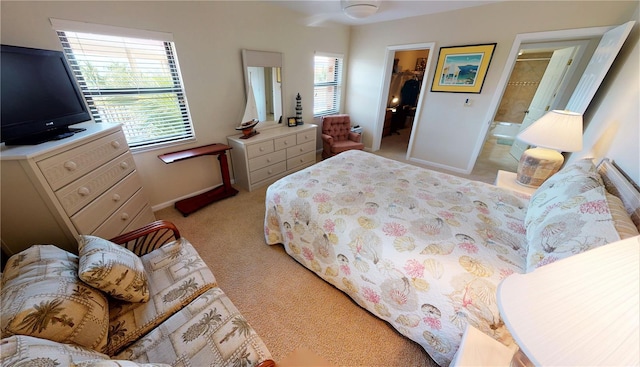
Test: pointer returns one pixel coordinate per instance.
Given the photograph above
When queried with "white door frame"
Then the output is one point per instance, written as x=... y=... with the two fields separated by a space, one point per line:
x=386 y=81
x=562 y=35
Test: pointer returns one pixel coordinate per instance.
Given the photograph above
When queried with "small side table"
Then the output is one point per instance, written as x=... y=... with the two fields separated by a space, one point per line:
x=479 y=349
x=190 y=205
x=508 y=180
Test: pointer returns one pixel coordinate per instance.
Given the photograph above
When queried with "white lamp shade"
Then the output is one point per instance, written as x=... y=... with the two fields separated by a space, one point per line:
x=580 y=311
x=559 y=130
x=360 y=9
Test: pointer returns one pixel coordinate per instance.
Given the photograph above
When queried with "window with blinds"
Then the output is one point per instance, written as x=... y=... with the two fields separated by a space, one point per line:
x=132 y=81
x=327 y=85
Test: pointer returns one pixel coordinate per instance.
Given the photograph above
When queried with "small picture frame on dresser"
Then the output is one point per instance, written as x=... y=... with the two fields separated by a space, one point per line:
x=291 y=121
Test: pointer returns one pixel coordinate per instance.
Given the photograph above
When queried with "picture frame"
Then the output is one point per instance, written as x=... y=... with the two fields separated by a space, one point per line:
x=291 y=121
x=462 y=69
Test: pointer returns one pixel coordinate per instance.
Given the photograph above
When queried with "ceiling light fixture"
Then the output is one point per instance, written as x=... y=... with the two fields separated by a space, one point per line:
x=359 y=9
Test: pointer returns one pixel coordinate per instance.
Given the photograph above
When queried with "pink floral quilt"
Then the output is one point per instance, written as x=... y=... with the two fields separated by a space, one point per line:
x=419 y=249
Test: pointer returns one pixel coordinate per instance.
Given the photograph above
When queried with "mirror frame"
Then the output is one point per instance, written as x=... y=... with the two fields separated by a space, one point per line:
x=252 y=58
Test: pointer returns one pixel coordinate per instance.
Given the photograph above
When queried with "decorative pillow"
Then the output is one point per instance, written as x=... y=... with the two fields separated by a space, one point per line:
x=621 y=220
x=42 y=297
x=573 y=179
x=575 y=225
x=116 y=363
x=113 y=269
x=21 y=350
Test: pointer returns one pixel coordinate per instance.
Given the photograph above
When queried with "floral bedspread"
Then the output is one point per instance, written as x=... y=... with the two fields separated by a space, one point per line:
x=419 y=249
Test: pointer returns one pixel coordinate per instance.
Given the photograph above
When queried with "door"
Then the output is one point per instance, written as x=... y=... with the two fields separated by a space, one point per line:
x=546 y=93
x=598 y=66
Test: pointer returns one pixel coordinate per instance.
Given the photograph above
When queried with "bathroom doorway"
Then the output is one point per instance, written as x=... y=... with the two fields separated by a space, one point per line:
x=537 y=84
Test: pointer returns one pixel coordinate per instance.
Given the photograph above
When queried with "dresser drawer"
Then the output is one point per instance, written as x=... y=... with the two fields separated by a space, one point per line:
x=306 y=136
x=285 y=142
x=264 y=173
x=146 y=216
x=65 y=167
x=259 y=149
x=89 y=218
x=118 y=221
x=301 y=149
x=267 y=160
x=77 y=194
x=304 y=159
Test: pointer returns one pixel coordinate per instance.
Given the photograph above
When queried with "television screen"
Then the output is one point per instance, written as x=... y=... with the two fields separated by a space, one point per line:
x=40 y=98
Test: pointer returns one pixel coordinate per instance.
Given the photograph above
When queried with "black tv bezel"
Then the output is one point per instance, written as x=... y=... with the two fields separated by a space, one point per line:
x=30 y=132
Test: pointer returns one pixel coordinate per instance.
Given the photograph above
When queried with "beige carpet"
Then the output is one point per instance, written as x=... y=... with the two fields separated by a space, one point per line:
x=288 y=305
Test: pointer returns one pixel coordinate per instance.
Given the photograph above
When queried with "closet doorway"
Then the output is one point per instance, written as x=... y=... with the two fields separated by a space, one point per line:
x=406 y=70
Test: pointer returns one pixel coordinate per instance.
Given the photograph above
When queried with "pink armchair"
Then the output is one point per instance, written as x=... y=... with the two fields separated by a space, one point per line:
x=337 y=135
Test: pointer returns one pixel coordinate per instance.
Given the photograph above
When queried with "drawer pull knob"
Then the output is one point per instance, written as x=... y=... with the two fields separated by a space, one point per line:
x=302 y=149
x=286 y=142
x=84 y=191
x=124 y=216
x=116 y=197
x=115 y=144
x=301 y=160
x=70 y=165
x=261 y=149
x=270 y=171
x=268 y=160
x=124 y=165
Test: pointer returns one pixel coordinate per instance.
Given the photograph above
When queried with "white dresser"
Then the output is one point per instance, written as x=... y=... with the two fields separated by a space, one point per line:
x=272 y=154
x=85 y=184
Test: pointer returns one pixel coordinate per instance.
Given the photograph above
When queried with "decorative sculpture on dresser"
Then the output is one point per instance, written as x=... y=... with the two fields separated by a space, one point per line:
x=299 y=110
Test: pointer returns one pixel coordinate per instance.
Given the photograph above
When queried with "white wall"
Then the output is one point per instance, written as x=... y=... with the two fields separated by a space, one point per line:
x=209 y=36
x=446 y=132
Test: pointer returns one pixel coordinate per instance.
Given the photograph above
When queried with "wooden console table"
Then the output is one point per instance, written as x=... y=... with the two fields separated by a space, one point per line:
x=190 y=205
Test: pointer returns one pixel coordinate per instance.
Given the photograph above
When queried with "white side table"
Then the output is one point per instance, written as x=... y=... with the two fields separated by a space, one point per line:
x=508 y=180
x=479 y=349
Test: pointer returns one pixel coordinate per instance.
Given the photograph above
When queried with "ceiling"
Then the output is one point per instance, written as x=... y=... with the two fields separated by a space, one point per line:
x=319 y=12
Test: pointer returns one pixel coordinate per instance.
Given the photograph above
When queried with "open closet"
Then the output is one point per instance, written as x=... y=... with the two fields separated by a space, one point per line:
x=404 y=90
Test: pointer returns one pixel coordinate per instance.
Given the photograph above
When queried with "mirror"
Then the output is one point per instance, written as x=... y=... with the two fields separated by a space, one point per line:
x=263 y=79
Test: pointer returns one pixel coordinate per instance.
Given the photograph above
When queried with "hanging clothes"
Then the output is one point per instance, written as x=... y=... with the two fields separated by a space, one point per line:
x=409 y=93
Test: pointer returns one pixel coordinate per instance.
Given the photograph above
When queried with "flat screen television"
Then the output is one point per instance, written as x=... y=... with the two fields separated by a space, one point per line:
x=39 y=97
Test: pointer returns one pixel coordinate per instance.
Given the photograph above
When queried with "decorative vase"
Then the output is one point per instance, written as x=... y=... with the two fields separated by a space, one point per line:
x=299 y=110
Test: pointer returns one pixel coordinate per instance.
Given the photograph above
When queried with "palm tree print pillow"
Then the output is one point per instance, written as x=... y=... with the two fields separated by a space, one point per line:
x=42 y=296
x=113 y=269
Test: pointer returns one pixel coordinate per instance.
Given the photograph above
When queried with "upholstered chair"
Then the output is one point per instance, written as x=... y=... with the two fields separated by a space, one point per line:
x=337 y=135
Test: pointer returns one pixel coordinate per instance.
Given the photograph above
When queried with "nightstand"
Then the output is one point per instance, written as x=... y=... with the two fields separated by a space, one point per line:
x=479 y=349
x=508 y=180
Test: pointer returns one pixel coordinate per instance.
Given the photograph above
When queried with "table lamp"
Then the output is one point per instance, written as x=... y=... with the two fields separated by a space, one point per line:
x=583 y=310
x=557 y=131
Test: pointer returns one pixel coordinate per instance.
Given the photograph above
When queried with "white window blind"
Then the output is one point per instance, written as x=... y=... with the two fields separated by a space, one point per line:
x=129 y=80
x=327 y=84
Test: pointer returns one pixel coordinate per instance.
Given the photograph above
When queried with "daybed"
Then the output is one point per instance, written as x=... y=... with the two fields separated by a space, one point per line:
x=150 y=301
x=424 y=250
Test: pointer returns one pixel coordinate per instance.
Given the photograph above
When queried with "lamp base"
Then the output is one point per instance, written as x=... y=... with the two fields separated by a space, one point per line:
x=537 y=165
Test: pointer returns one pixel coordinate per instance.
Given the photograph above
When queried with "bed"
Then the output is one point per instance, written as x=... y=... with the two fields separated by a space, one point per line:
x=425 y=251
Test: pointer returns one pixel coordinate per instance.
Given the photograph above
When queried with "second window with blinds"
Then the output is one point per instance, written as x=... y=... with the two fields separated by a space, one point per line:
x=327 y=84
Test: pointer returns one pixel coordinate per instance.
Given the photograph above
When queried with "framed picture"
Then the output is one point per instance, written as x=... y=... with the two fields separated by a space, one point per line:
x=291 y=121
x=462 y=69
